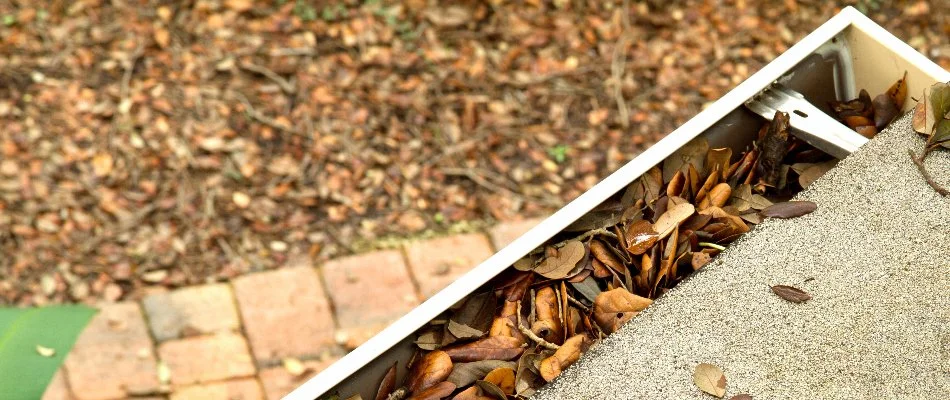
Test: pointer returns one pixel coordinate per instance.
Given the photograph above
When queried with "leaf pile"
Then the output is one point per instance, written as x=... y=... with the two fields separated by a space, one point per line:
x=868 y=117
x=535 y=320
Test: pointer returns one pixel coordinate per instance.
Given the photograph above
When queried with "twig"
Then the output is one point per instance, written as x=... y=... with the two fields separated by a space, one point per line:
x=525 y=331
x=285 y=85
x=616 y=71
x=479 y=180
x=923 y=171
x=257 y=116
x=127 y=74
x=578 y=303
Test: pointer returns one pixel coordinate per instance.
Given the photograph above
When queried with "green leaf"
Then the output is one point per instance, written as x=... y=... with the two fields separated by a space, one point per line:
x=941 y=132
x=940 y=100
x=24 y=373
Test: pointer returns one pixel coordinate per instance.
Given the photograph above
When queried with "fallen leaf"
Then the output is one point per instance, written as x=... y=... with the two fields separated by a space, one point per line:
x=433 y=368
x=547 y=323
x=614 y=308
x=919 y=121
x=503 y=378
x=239 y=5
x=719 y=158
x=672 y=218
x=388 y=384
x=293 y=366
x=435 y=392
x=490 y=348
x=562 y=358
x=241 y=199
x=741 y=396
x=464 y=374
x=45 y=351
x=692 y=153
x=792 y=294
x=463 y=331
x=472 y=393
x=699 y=259
x=562 y=264
x=710 y=379
x=448 y=16
x=102 y=164
x=640 y=237
x=808 y=173
x=789 y=209
x=492 y=390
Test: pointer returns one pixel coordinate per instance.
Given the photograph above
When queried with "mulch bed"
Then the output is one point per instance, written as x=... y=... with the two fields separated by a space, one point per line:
x=171 y=144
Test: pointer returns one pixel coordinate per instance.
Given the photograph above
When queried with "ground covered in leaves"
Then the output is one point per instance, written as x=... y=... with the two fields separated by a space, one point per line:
x=173 y=143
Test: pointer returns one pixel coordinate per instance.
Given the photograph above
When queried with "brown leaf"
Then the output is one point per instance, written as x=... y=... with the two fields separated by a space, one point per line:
x=898 y=92
x=566 y=355
x=640 y=236
x=675 y=215
x=448 y=16
x=436 y=392
x=472 y=393
x=490 y=348
x=503 y=378
x=699 y=259
x=693 y=153
x=774 y=147
x=102 y=164
x=808 y=173
x=614 y=308
x=561 y=265
x=433 y=368
x=923 y=117
x=602 y=253
x=548 y=323
x=789 y=209
x=491 y=390
x=719 y=158
x=792 y=294
x=388 y=384
x=464 y=374
x=710 y=379
x=741 y=396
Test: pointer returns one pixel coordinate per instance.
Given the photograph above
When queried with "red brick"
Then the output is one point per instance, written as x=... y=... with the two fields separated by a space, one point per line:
x=191 y=311
x=58 y=389
x=285 y=313
x=238 y=389
x=505 y=233
x=206 y=358
x=435 y=263
x=113 y=356
x=369 y=289
x=278 y=382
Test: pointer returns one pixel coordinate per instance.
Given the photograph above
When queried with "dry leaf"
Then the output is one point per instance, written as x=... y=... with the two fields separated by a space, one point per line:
x=615 y=307
x=294 y=366
x=472 y=393
x=741 y=396
x=667 y=222
x=719 y=159
x=45 y=351
x=693 y=153
x=433 y=368
x=699 y=259
x=490 y=348
x=491 y=390
x=640 y=237
x=102 y=164
x=789 y=209
x=547 y=323
x=503 y=378
x=448 y=16
x=566 y=355
x=435 y=392
x=561 y=265
x=710 y=379
x=464 y=374
x=792 y=294
x=388 y=384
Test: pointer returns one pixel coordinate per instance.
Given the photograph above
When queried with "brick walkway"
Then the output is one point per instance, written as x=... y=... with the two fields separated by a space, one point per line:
x=231 y=340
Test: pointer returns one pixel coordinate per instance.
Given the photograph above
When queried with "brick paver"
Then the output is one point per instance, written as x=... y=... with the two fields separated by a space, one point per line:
x=435 y=263
x=57 y=389
x=113 y=357
x=206 y=358
x=369 y=290
x=238 y=389
x=505 y=233
x=285 y=313
x=278 y=382
x=191 y=311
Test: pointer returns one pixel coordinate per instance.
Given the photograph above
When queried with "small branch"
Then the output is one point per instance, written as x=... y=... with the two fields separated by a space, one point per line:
x=257 y=116
x=527 y=332
x=578 y=304
x=285 y=85
x=617 y=67
x=923 y=171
